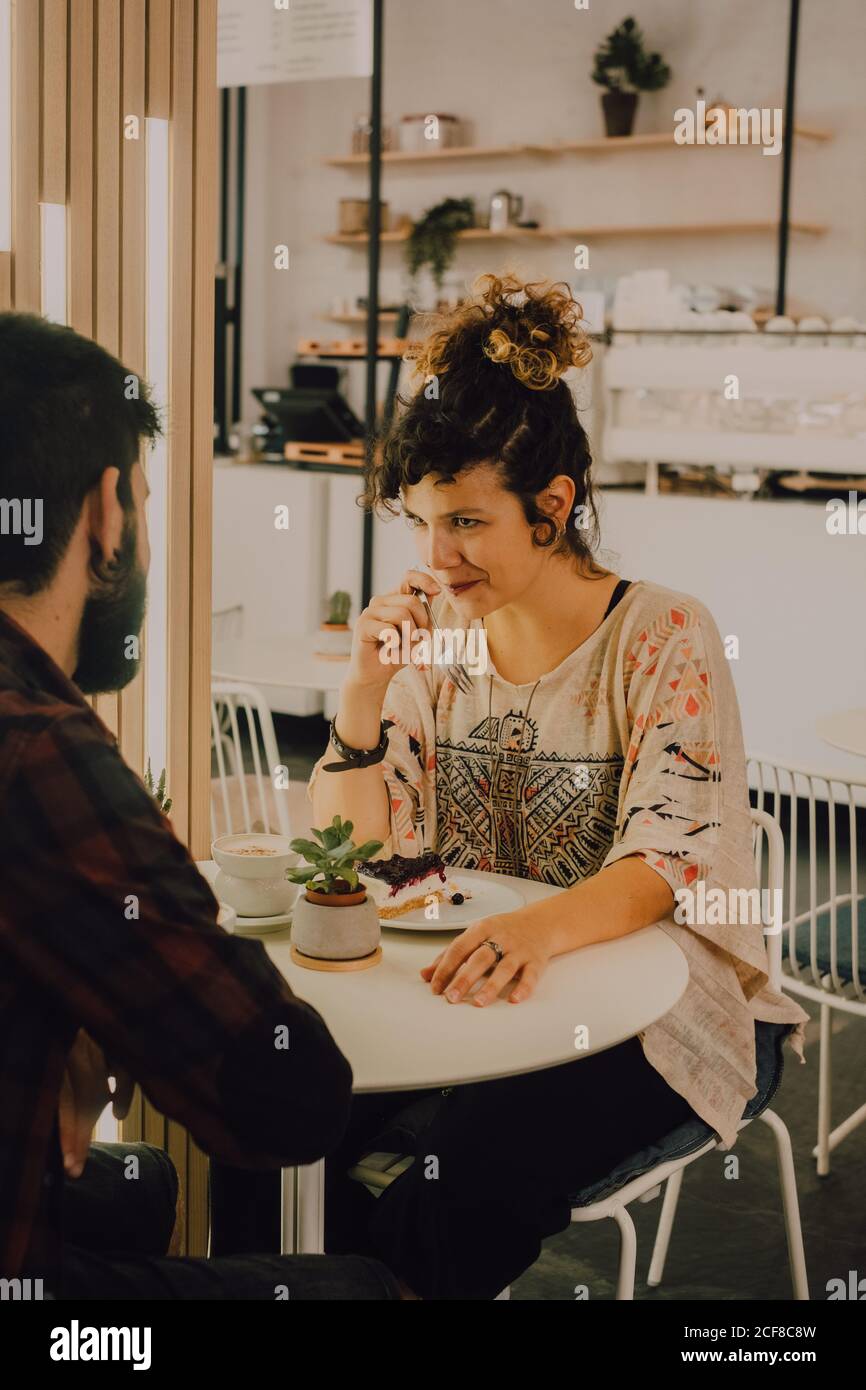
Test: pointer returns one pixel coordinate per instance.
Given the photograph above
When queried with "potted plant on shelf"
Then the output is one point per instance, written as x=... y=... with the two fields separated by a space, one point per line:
x=333 y=920
x=623 y=66
x=335 y=635
x=433 y=237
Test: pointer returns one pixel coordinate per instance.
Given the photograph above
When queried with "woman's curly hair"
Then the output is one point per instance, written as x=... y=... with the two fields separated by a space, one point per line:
x=491 y=389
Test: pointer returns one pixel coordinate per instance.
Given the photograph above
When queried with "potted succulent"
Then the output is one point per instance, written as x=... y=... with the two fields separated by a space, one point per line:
x=333 y=919
x=335 y=635
x=433 y=237
x=623 y=66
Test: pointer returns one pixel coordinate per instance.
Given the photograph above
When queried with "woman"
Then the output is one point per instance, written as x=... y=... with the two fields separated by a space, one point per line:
x=601 y=751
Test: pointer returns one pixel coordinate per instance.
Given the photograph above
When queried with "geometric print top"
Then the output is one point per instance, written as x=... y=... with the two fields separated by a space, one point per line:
x=631 y=745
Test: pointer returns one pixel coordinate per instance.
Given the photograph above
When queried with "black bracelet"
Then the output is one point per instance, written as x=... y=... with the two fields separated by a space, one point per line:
x=357 y=757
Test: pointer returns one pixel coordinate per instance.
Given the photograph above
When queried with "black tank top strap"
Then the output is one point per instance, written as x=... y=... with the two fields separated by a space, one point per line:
x=616 y=596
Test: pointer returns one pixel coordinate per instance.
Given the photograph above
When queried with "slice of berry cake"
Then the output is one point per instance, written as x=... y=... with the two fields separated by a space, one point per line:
x=399 y=885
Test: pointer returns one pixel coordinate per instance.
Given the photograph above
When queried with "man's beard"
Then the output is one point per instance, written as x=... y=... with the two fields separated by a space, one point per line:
x=107 y=657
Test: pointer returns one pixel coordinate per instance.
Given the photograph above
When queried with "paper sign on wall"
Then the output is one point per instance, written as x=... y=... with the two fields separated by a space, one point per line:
x=292 y=40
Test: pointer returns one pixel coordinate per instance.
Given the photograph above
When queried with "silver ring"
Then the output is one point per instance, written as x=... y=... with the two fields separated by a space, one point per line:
x=497 y=949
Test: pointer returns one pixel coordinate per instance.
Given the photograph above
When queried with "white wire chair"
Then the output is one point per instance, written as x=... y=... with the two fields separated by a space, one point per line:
x=648 y=1185
x=241 y=725
x=825 y=935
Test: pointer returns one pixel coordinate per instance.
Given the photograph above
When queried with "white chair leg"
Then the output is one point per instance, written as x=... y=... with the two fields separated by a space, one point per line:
x=310 y=1208
x=666 y=1223
x=506 y=1293
x=627 y=1254
x=288 y=1214
x=790 y=1204
x=825 y=1091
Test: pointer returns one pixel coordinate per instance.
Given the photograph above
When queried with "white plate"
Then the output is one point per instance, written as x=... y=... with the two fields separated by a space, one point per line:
x=254 y=926
x=488 y=897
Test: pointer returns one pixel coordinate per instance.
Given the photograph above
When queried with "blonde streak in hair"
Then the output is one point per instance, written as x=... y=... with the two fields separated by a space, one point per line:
x=539 y=334
x=532 y=370
x=499 y=347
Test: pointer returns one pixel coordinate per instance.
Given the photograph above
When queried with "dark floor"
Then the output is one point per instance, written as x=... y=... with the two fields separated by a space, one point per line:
x=728 y=1241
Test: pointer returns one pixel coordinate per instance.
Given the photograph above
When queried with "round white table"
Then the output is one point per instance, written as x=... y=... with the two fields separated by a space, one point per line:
x=845 y=730
x=398 y=1035
x=287 y=662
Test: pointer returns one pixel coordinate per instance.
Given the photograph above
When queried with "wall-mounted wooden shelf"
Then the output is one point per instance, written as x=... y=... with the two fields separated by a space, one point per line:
x=595 y=233
x=355 y=161
x=388 y=348
x=598 y=145
x=385 y=316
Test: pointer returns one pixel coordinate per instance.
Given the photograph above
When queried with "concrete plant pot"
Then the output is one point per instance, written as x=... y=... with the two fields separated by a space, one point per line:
x=335 y=926
x=334 y=642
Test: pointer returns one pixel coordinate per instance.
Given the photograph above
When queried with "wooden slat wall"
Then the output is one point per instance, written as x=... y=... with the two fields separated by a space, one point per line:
x=80 y=68
x=54 y=84
x=26 y=145
x=79 y=214
x=200 y=527
x=107 y=206
x=133 y=175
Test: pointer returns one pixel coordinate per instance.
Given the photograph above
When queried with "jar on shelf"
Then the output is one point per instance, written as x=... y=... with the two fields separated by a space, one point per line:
x=354 y=217
x=431 y=131
x=362 y=130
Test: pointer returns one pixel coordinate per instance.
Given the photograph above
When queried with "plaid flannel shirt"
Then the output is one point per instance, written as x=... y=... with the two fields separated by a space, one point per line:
x=106 y=924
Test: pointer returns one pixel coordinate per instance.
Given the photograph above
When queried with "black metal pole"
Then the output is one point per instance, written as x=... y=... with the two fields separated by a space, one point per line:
x=239 y=252
x=373 y=282
x=221 y=312
x=787 y=156
x=225 y=132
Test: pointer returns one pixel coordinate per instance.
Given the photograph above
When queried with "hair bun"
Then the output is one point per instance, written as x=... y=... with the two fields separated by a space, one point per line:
x=535 y=328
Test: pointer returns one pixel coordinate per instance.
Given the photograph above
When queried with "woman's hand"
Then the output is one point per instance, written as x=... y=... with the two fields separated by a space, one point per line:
x=386 y=613
x=527 y=951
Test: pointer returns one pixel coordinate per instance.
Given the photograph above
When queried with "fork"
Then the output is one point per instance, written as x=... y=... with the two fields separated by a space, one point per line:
x=458 y=673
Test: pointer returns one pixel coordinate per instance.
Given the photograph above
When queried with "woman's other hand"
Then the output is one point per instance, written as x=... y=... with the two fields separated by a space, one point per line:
x=526 y=952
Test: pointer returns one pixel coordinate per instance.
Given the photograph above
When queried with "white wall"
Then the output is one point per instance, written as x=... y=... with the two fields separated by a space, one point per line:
x=517 y=70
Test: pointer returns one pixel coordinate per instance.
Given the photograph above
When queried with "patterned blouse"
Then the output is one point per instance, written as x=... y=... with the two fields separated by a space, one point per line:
x=631 y=745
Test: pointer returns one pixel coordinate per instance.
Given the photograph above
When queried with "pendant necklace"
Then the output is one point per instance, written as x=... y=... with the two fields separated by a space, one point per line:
x=494 y=769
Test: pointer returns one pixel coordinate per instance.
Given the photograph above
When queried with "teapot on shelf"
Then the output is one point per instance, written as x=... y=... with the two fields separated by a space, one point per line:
x=506 y=209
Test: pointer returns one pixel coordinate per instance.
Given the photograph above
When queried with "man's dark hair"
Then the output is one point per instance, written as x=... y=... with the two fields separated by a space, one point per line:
x=68 y=411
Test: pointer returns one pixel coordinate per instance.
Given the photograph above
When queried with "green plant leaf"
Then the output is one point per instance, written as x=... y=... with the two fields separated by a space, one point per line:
x=368 y=849
x=309 y=849
x=332 y=837
x=341 y=851
x=350 y=876
x=302 y=875
x=319 y=836
x=347 y=827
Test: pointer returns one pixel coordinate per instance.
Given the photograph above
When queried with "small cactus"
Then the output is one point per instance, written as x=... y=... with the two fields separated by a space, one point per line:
x=340 y=603
x=158 y=791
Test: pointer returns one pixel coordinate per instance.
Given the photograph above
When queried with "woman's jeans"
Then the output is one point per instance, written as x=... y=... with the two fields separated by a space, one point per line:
x=495 y=1165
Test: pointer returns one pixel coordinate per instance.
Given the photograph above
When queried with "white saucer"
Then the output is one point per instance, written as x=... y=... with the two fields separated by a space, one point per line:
x=255 y=926
x=488 y=898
